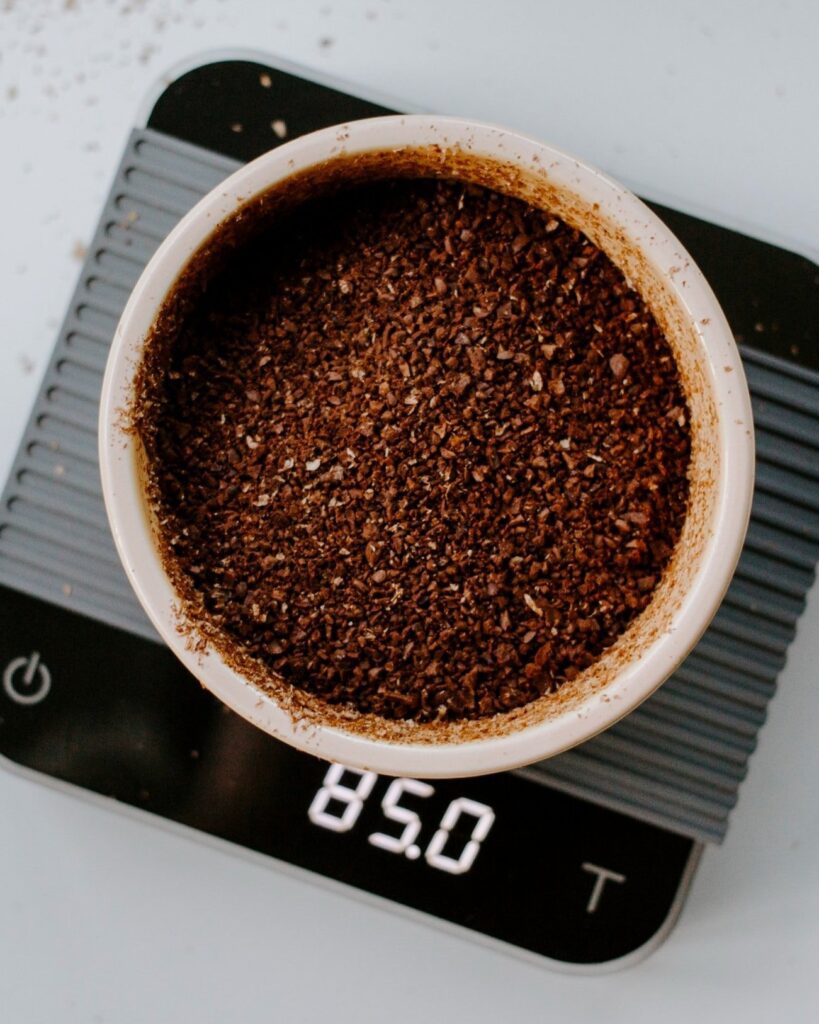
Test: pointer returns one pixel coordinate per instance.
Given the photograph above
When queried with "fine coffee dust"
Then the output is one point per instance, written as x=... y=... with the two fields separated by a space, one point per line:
x=419 y=449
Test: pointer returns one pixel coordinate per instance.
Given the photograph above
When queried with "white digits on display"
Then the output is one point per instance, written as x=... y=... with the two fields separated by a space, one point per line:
x=405 y=843
x=352 y=799
x=457 y=866
x=334 y=789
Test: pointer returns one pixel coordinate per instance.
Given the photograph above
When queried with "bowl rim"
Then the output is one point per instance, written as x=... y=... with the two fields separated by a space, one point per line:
x=133 y=535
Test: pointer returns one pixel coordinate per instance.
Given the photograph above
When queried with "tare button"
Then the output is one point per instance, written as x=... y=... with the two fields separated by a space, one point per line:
x=27 y=679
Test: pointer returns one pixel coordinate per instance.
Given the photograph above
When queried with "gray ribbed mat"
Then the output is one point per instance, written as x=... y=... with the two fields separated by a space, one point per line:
x=54 y=536
x=677 y=760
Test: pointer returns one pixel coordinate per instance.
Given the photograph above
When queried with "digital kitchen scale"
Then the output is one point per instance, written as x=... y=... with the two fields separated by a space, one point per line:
x=583 y=860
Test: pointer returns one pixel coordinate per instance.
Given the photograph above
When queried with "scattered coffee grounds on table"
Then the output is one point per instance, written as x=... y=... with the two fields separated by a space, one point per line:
x=419 y=449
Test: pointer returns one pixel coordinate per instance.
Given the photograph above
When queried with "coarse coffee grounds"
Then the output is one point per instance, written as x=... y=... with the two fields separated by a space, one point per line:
x=418 y=448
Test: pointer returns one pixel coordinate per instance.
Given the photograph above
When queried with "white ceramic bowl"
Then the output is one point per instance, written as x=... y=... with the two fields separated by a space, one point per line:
x=721 y=467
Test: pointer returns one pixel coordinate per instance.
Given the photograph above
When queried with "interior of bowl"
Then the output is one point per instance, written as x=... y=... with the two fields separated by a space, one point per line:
x=653 y=263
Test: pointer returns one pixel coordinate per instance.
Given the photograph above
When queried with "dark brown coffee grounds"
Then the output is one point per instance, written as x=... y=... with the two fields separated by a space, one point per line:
x=419 y=449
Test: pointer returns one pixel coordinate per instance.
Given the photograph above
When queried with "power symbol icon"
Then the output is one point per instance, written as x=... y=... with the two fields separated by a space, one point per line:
x=27 y=680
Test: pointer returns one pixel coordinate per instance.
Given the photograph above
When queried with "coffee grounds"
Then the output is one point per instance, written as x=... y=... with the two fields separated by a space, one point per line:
x=420 y=449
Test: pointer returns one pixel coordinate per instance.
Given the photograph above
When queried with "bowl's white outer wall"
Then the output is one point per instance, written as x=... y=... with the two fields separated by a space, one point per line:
x=734 y=474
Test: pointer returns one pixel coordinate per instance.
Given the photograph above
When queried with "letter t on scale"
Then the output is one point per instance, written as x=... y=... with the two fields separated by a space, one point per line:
x=603 y=876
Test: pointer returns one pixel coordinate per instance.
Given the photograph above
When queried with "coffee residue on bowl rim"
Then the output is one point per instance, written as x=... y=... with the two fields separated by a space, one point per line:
x=533 y=185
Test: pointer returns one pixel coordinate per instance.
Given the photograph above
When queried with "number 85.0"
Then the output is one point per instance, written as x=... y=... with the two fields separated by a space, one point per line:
x=352 y=797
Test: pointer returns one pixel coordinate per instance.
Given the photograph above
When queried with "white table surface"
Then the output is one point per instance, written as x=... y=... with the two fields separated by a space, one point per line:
x=714 y=105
